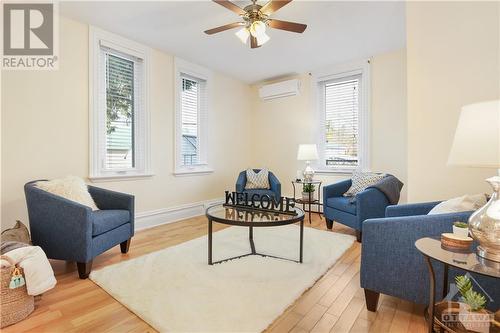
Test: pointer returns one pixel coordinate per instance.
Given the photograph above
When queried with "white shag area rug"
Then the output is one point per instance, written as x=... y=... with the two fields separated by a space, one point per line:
x=175 y=290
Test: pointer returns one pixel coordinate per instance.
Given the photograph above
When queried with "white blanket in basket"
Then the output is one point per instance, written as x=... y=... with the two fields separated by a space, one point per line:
x=38 y=273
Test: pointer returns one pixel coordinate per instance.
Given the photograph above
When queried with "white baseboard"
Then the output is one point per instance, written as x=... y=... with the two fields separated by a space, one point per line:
x=153 y=218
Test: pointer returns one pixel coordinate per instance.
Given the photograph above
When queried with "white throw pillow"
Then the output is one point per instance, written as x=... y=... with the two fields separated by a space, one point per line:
x=259 y=180
x=461 y=204
x=361 y=180
x=71 y=187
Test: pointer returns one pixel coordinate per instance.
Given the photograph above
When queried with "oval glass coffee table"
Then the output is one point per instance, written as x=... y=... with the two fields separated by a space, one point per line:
x=251 y=218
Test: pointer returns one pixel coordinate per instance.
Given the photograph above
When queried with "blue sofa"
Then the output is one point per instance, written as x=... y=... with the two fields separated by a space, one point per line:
x=67 y=230
x=390 y=262
x=273 y=192
x=370 y=203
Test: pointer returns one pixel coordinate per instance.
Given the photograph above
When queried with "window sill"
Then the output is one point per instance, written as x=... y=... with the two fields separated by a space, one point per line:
x=202 y=170
x=112 y=178
x=334 y=171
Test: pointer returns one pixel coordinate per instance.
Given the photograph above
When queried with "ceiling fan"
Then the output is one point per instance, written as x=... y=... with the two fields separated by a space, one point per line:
x=255 y=21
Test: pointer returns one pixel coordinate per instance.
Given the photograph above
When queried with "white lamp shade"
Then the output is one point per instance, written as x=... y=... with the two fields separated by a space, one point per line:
x=477 y=137
x=258 y=28
x=307 y=152
x=243 y=35
x=262 y=39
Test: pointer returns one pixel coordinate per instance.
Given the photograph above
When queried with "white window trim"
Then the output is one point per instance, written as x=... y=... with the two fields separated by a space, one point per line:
x=187 y=68
x=98 y=37
x=336 y=72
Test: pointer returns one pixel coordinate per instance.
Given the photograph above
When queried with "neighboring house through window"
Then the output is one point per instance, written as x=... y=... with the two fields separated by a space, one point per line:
x=343 y=109
x=119 y=115
x=120 y=109
x=192 y=107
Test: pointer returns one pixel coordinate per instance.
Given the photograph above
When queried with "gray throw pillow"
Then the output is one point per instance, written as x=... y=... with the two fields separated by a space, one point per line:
x=257 y=180
x=361 y=180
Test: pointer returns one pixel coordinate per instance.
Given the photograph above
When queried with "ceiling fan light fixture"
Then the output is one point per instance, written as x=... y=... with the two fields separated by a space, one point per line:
x=256 y=19
x=258 y=28
x=243 y=35
x=262 y=39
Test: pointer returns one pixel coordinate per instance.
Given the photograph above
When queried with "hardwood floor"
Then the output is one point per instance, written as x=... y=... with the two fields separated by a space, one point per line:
x=334 y=304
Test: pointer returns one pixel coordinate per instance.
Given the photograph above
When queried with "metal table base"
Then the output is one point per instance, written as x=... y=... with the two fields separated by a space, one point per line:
x=252 y=246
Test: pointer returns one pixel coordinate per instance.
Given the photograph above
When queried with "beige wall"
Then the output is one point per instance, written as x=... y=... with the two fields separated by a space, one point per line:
x=389 y=116
x=45 y=131
x=282 y=124
x=453 y=60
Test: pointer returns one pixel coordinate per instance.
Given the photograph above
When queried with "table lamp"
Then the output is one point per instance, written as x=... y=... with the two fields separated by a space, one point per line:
x=477 y=144
x=308 y=153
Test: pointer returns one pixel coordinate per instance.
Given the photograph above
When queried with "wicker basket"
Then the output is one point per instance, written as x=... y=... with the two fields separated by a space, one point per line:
x=16 y=304
x=453 y=325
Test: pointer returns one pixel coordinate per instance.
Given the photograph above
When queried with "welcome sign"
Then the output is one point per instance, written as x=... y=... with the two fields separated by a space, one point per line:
x=282 y=205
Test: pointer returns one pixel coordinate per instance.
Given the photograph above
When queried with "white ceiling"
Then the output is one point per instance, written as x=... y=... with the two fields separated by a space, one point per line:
x=337 y=32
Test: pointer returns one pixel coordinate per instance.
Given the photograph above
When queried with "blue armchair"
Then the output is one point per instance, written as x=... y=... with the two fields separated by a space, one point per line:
x=390 y=263
x=67 y=230
x=370 y=203
x=273 y=192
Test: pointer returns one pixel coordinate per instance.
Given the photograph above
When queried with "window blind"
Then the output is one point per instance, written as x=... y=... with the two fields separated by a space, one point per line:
x=120 y=112
x=341 y=107
x=190 y=107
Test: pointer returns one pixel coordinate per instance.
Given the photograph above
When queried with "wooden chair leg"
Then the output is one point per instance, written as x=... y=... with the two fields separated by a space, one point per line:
x=371 y=298
x=359 y=236
x=84 y=269
x=329 y=223
x=124 y=246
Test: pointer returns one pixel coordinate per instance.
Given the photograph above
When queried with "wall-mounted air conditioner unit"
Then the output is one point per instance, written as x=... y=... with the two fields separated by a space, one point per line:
x=280 y=89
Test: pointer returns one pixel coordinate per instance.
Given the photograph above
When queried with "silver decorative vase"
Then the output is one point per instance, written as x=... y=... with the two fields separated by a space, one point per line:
x=484 y=224
x=308 y=172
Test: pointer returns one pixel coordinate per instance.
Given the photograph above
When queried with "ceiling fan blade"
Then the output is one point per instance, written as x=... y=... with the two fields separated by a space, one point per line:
x=273 y=6
x=231 y=6
x=253 y=42
x=288 y=26
x=224 y=27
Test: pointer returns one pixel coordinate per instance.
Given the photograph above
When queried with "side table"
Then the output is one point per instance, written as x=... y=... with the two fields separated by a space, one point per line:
x=467 y=261
x=312 y=200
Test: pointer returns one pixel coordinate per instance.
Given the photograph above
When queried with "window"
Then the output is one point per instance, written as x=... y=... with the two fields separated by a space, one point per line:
x=341 y=122
x=343 y=109
x=120 y=96
x=119 y=125
x=192 y=104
